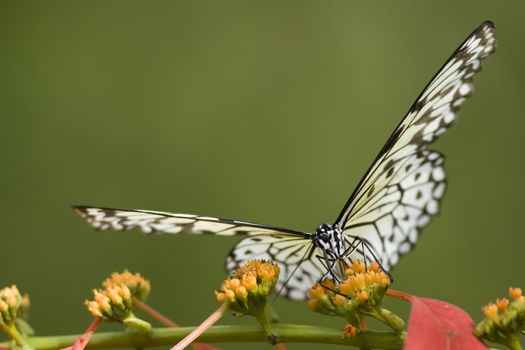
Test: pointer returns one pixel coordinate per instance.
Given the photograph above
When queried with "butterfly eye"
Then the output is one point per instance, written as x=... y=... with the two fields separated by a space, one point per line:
x=325 y=237
x=324 y=228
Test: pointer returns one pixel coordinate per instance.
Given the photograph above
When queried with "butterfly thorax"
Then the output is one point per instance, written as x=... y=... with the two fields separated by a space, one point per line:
x=330 y=239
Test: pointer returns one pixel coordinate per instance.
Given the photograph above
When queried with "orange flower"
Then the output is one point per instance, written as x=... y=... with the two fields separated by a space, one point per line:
x=515 y=293
x=349 y=331
x=316 y=292
x=490 y=311
x=340 y=300
x=502 y=303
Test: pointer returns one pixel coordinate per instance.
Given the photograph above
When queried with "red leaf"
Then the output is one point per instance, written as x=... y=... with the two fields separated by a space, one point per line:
x=434 y=324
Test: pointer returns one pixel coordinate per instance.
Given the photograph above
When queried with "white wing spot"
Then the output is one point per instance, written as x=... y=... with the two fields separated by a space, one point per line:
x=465 y=89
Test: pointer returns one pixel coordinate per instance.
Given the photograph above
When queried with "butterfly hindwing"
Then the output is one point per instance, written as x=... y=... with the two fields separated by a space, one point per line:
x=296 y=257
x=383 y=209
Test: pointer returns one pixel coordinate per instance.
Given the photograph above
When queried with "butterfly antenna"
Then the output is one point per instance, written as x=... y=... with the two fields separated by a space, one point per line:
x=308 y=251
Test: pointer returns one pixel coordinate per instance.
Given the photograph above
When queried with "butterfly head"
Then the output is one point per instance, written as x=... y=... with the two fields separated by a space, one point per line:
x=329 y=239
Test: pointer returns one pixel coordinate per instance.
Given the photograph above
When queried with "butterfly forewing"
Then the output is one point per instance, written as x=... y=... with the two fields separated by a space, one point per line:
x=391 y=217
x=293 y=251
x=402 y=188
x=164 y=222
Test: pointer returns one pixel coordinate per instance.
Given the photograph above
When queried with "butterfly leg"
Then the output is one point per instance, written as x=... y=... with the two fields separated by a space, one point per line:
x=353 y=246
x=329 y=259
x=366 y=249
x=329 y=264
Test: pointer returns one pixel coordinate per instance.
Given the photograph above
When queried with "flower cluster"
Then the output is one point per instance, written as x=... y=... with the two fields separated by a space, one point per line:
x=247 y=290
x=112 y=303
x=115 y=303
x=11 y=304
x=504 y=320
x=362 y=292
x=138 y=286
x=13 y=314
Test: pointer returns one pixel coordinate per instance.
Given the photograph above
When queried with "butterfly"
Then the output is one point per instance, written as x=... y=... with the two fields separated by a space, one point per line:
x=384 y=215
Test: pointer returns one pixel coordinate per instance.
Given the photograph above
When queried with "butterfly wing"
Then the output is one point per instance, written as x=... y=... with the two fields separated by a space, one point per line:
x=296 y=257
x=149 y=222
x=292 y=250
x=392 y=217
x=402 y=188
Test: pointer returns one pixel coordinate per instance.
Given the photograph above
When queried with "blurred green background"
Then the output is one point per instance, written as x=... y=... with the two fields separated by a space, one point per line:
x=240 y=109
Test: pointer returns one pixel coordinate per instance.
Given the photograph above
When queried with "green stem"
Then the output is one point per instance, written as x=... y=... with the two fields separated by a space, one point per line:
x=140 y=325
x=272 y=316
x=238 y=333
x=390 y=319
x=513 y=343
x=13 y=332
x=263 y=321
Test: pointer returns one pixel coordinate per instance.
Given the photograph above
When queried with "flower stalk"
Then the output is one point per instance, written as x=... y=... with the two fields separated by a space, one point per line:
x=14 y=334
x=214 y=317
x=389 y=318
x=139 y=304
x=83 y=340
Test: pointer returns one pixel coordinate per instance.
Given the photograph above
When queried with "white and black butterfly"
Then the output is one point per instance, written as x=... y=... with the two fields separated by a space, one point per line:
x=382 y=218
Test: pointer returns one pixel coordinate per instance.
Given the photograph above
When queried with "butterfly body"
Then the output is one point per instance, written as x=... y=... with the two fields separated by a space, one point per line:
x=399 y=194
x=329 y=239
